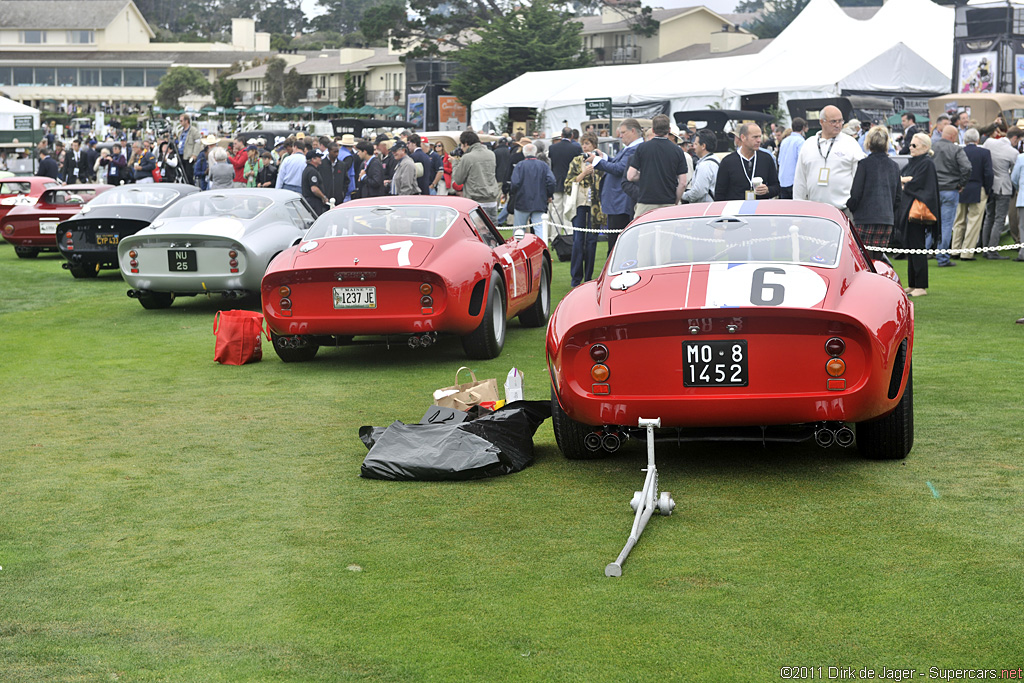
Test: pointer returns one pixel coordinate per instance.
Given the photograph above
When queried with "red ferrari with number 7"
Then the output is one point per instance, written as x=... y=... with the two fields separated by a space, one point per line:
x=739 y=320
x=407 y=268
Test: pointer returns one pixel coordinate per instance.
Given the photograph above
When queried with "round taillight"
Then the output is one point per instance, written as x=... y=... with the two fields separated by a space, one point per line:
x=600 y=373
x=8 y=229
x=836 y=367
x=599 y=353
x=284 y=291
x=426 y=289
x=835 y=346
x=133 y=263
x=233 y=263
x=232 y=253
x=426 y=301
x=68 y=234
x=133 y=253
x=286 y=304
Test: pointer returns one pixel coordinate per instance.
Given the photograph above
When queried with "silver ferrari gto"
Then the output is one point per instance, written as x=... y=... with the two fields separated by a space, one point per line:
x=217 y=241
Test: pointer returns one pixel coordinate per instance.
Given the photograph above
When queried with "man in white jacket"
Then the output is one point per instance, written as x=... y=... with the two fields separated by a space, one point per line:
x=705 y=173
x=827 y=163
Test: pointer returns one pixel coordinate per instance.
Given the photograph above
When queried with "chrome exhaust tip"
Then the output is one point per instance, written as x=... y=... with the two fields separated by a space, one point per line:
x=824 y=437
x=611 y=442
x=592 y=441
x=844 y=437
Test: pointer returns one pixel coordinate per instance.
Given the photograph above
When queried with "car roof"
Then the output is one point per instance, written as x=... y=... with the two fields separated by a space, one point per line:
x=459 y=203
x=774 y=207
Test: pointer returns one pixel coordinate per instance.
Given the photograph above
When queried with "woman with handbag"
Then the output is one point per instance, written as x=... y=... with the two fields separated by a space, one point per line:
x=582 y=182
x=919 y=210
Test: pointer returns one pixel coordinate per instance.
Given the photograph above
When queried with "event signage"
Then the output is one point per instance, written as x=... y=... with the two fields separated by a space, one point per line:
x=451 y=114
x=599 y=108
x=416 y=105
x=22 y=123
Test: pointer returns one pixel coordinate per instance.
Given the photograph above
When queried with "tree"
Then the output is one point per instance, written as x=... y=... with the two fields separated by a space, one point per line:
x=295 y=87
x=273 y=81
x=341 y=16
x=177 y=83
x=534 y=37
x=775 y=16
x=225 y=90
x=430 y=28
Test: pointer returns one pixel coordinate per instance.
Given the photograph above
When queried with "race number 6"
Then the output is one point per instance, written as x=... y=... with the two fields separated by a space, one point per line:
x=758 y=288
x=403 y=248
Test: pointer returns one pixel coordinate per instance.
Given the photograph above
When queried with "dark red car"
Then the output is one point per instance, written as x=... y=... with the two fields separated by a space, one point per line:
x=32 y=228
x=408 y=267
x=738 y=320
x=22 y=190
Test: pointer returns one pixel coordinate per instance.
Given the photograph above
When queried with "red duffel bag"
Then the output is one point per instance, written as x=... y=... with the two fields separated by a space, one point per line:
x=238 y=337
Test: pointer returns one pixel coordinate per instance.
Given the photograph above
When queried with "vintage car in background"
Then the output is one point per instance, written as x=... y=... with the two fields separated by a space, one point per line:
x=739 y=320
x=22 y=191
x=32 y=228
x=89 y=239
x=408 y=267
x=218 y=241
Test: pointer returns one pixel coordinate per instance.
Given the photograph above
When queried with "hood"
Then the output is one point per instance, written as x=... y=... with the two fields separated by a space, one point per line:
x=716 y=285
x=379 y=251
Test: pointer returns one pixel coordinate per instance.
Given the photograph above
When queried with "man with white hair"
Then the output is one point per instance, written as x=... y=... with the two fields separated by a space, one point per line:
x=533 y=184
x=827 y=163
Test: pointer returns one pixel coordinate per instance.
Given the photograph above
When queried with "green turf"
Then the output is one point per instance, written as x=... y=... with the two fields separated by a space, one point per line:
x=166 y=518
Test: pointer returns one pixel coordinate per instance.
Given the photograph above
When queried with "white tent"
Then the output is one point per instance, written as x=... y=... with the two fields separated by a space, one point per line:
x=906 y=47
x=9 y=109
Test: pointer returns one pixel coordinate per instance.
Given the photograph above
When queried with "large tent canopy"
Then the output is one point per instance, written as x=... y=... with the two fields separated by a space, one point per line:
x=10 y=109
x=906 y=47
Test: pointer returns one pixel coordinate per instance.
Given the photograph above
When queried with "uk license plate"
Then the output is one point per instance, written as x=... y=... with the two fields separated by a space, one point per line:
x=181 y=260
x=103 y=239
x=355 y=297
x=48 y=227
x=718 y=363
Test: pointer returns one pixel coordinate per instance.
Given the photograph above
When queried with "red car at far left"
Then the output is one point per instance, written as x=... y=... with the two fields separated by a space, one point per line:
x=405 y=268
x=22 y=190
x=32 y=228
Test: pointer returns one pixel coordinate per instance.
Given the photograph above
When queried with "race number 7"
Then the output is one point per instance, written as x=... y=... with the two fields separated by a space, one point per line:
x=403 y=248
x=758 y=288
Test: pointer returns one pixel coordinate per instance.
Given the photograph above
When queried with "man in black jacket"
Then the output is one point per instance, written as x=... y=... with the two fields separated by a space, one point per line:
x=371 y=172
x=47 y=165
x=970 y=211
x=75 y=165
x=739 y=170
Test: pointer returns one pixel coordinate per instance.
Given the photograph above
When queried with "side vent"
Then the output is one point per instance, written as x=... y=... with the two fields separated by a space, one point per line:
x=897 y=371
x=476 y=299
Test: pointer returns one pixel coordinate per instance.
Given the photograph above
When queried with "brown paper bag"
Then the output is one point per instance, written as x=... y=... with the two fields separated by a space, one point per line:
x=465 y=396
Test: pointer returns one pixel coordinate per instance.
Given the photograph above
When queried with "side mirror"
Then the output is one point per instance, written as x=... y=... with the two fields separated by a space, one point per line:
x=518 y=234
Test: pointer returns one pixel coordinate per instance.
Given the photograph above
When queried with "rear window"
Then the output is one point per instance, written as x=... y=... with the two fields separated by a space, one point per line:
x=729 y=239
x=209 y=204
x=421 y=221
x=69 y=197
x=15 y=188
x=138 y=195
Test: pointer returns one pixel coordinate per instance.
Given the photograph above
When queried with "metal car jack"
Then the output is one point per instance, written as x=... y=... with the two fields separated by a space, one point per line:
x=644 y=502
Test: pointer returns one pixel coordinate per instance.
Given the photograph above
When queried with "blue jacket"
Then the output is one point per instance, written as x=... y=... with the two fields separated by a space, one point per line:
x=532 y=182
x=981 y=175
x=613 y=199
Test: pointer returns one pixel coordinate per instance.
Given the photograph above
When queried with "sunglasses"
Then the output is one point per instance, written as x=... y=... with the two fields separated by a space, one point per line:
x=914 y=145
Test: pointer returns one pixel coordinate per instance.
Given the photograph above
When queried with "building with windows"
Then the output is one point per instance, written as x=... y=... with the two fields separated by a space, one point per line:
x=84 y=56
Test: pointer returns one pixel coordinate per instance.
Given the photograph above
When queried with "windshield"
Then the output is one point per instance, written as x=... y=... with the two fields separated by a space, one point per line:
x=138 y=195
x=209 y=204
x=730 y=239
x=14 y=188
x=422 y=221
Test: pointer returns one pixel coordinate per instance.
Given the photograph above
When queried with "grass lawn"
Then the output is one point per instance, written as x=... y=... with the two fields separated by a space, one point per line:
x=165 y=518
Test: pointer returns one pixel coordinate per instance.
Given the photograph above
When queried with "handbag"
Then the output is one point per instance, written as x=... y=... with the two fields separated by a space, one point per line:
x=465 y=396
x=239 y=337
x=572 y=200
x=157 y=176
x=920 y=213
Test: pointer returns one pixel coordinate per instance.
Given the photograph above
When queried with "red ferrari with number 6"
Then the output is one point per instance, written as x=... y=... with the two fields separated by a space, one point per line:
x=408 y=267
x=737 y=320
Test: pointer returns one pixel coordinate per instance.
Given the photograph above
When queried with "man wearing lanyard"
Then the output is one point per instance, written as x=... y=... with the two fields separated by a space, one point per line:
x=827 y=163
x=749 y=172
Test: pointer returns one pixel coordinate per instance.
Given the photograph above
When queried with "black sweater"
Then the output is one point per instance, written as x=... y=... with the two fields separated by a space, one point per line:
x=733 y=183
x=875 y=195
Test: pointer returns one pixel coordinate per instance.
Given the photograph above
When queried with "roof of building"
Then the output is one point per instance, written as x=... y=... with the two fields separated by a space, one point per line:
x=59 y=14
x=593 y=24
x=703 y=51
x=128 y=59
x=327 y=61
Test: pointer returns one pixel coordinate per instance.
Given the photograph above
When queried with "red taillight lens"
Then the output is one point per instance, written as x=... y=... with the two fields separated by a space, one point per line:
x=233 y=263
x=599 y=353
x=426 y=301
x=133 y=253
x=8 y=229
x=836 y=367
x=232 y=254
x=133 y=263
x=286 y=304
x=68 y=234
x=284 y=290
x=835 y=346
x=426 y=289
x=600 y=373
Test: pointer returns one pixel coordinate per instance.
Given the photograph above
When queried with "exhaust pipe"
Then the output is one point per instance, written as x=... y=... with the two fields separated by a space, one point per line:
x=134 y=293
x=611 y=442
x=414 y=342
x=592 y=441
x=844 y=437
x=824 y=437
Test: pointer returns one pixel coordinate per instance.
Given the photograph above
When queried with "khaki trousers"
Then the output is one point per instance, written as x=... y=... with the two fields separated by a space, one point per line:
x=967 y=226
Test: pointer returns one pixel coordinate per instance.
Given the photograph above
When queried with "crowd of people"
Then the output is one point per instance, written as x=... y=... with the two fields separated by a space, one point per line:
x=957 y=189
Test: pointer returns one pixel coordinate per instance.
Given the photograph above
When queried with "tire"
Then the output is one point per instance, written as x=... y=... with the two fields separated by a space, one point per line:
x=156 y=300
x=487 y=340
x=84 y=270
x=537 y=314
x=26 y=252
x=569 y=434
x=891 y=436
x=290 y=354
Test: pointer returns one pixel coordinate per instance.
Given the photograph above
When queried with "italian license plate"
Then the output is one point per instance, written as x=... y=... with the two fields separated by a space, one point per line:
x=181 y=260
x=715 y=363
x=48 y=227
x=103 y=239
x=355 y=297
